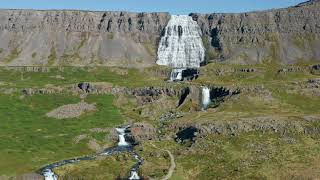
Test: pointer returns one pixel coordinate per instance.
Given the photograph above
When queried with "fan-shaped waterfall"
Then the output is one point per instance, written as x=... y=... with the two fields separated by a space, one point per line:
x=181 y=46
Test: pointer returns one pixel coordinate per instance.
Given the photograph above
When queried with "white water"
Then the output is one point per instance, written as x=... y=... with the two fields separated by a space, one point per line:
x=176 y=75
x=134 y=175
x=49 y=175
x=181 y=46
x=122 y=140
x=205 y=97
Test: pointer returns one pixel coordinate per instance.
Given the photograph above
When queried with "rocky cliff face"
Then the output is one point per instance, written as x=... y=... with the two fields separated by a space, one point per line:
x=30 y=37
x=33 y=38
x=287 y=35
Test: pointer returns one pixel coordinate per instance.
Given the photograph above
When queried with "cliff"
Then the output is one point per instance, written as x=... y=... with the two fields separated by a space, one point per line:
x=287 y=35
x=30 y=37
x=65 y=37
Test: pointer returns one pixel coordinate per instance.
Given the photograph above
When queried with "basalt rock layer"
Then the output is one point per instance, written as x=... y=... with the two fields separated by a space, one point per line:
x=76 y=38
x=58 y=37
x=287 y=35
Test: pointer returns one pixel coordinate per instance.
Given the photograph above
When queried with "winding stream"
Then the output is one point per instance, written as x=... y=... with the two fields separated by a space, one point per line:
x=123 y=146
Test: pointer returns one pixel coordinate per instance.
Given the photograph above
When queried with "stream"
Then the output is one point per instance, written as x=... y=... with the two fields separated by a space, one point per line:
x=123 y=146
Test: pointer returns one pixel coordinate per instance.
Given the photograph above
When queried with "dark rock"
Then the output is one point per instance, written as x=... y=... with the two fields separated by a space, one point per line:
x=86 y=87
x=187 y=134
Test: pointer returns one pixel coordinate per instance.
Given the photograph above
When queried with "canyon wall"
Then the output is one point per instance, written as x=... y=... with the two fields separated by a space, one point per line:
x=76 y=38
x=65 y=37
x=287 y=35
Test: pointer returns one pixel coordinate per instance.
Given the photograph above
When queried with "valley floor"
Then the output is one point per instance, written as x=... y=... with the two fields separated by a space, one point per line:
x=270 y=129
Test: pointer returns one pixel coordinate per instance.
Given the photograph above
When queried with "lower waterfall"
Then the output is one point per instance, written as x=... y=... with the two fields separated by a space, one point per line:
x=176 y=75
x=205 y=97
x=123 y=146
x=122 y=140
x=49 y=175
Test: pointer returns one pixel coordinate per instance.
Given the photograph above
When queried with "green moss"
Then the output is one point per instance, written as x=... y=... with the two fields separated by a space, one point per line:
x=84 y=39
x=298 y=41
x=13 y=55
x=110 y=35
x=1 y=50
x=210 y=54
x=151 y=49
x=34 y=55
x=272 y=41
x=52 y=57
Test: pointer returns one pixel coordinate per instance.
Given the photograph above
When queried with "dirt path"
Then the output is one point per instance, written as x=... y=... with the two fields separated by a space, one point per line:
x=172 y=163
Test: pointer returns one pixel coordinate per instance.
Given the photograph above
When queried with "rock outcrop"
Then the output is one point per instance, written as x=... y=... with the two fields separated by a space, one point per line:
x=71 y=110
x=76 y=38
x=286 y=35
x=58 y=37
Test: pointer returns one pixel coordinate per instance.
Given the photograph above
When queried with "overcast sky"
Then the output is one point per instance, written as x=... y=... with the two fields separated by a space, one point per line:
x=172 y=6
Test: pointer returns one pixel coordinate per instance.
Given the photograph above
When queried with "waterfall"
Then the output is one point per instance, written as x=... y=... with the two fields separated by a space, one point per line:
x=176 y=75
x=49 y=175
x=181 y=46
x=122 y=140
x=134 y=175
x=205 y=97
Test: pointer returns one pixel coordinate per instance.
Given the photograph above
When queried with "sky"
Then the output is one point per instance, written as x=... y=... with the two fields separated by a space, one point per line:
x=172 y=6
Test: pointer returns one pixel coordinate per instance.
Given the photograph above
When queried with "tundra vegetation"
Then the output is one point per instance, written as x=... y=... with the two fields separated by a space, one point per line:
x=287 y=95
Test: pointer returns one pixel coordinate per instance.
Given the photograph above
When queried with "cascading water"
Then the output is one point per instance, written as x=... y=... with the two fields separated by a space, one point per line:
x=49 y=175
x=134 y=175
x=122 y=140
x=205 y=97
x=123 y=146
x=181 y=46
x=176 y=74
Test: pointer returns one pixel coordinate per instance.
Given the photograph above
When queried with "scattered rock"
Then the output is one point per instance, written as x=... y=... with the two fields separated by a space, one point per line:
x=170 y=115
x=248 y=70
x=99 y=130
x=86 y=87
x=142 y=132
x=71 y=110
x=28 y=176
x=79 y=138
x=94 y=145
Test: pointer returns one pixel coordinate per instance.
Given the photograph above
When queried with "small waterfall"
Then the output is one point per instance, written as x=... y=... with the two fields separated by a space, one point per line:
x=122 y=140
x=49 y=175
x=205 y=97
x=134 y=175
x=123 y=146
x=176 y=75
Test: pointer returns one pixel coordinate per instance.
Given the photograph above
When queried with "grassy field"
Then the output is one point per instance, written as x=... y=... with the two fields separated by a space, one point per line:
x=30 y=140
x=71 y=75
x=108 y=168
x=247 y=156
